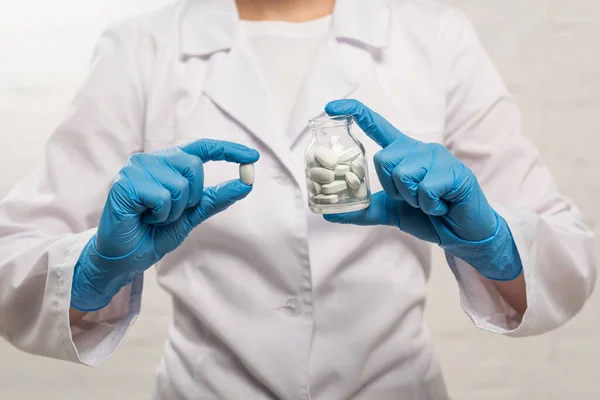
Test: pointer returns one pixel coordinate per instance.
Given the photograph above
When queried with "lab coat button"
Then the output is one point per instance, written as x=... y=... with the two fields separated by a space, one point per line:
x=292 y=307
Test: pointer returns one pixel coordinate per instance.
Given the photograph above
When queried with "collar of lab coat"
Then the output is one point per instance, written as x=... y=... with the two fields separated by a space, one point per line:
x=208 y=26
x=211 y=26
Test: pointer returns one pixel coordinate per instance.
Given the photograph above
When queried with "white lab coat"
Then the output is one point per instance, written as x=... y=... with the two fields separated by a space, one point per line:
x=271 y=301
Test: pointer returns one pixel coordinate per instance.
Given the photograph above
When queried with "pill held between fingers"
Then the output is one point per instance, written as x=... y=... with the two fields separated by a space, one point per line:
x=326 y=157
x=361 y=192
x=325 y=199
x=349 y=154
x=322 y=175
x=314 y=187
x=341 y=170
x=352 y=180
x=358 y=167
x=247 y=173
x=334 y=187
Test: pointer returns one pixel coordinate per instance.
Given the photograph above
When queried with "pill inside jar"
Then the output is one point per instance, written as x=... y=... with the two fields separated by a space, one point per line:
x=336 y=167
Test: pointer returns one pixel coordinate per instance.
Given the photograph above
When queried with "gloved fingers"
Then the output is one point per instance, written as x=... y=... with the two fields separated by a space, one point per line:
x=166 y=176
x=470 y=217
x=385 y=162
x=142 y=190
x=192 y=169
x=388 y=159
x=376 y=214
x=408 y=175
x=437 y=178
x=431 y=189
x=448 y=179
x=373 y=124
x=386 y=211
x=464 y=181
x=216 y=199
x=219 y=150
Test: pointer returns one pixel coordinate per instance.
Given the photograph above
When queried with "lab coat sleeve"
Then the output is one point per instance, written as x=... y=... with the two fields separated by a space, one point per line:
x=47 y=219
x=554 y=244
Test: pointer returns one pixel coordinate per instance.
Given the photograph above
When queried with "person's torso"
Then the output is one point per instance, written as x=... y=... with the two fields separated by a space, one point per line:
x=270 y=300
x=283 y=53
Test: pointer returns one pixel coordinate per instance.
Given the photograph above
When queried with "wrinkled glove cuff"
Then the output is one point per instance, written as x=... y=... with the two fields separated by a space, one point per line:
x=496 y=258
x=92 y=289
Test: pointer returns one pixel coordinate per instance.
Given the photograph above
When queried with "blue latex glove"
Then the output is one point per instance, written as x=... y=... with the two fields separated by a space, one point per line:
x=155 y=202
x=432 y=195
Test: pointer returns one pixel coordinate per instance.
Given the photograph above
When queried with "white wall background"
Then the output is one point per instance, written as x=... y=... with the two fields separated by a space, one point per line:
x=548 y=52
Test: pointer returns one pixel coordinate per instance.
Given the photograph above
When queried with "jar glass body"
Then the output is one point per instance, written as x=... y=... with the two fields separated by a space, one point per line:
x=336 y=170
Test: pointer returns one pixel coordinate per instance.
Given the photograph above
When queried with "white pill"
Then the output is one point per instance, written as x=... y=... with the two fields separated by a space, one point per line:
x=326 y=157
x=247 y=173
x=349 y=154
x=335 y=145
x=311 y=161
x=361 y=192
x=314 y=187
x=358 y=167
x=352 y=180
x=322 y=175
x=334 y=187
x=341 y=170
x=325 y=199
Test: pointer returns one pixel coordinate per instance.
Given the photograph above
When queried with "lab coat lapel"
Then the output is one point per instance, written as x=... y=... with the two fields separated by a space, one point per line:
x=236 y=86
x=329 y=78
x=355 y=22
x=210 y=28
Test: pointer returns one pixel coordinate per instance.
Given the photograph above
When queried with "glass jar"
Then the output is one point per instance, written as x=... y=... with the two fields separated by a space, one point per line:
x=337 y=177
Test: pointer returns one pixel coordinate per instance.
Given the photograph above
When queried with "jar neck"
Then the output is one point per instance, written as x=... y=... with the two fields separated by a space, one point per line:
x=329 y=124
x=328 y=132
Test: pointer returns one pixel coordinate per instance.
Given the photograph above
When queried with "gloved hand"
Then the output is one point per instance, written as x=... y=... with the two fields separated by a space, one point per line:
x=431 y=195
x=155 y=202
